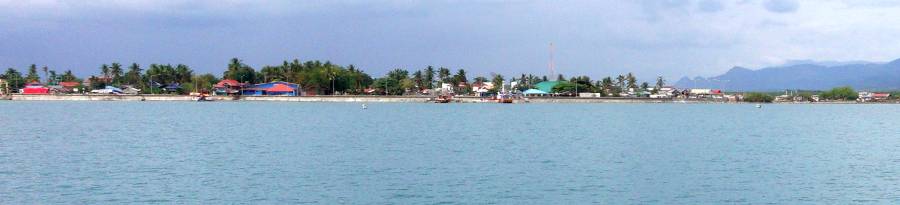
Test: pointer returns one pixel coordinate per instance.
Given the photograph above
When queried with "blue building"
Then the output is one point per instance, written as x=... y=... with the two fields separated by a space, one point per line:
x=277 y=88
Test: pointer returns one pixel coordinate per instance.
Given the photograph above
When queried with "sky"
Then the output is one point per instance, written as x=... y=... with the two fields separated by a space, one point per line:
x=669 y=38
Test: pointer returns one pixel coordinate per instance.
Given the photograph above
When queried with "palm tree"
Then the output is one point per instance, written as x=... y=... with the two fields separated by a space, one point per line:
x=660 y=82
x=104 y=69
x=429 y=76
x=183 y=73
x=116 y=72
x=498 y=82
x=444 y=74
x=32 y=74
x=620 y=82
x=133 y=76
x=46 y=74
x=52 y=77
x=632 y=81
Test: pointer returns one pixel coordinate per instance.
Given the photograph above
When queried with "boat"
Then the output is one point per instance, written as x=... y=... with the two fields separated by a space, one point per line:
x=505 y=98
x=442 y=99
x=203 y=98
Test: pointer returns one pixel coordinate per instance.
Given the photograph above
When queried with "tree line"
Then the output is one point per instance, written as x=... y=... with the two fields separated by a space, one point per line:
x=324 y=78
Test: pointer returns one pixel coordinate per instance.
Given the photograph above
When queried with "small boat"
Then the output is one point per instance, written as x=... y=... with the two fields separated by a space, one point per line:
x=442 y=99
x=364 y=106
x=758 y=106
x=505 y=98
x=203 y=98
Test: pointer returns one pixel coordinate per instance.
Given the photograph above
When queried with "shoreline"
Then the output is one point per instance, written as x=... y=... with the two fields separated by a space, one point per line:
x=389 y=99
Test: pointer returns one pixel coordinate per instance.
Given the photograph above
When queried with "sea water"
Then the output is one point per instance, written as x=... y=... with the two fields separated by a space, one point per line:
x=338 y=153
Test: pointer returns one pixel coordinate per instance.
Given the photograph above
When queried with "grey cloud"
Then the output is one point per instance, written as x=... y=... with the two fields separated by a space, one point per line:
x=781 y=6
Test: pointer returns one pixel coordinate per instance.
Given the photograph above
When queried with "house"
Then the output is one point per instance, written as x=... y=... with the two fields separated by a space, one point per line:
x=227 y=87
x=35 y=88
x=67 y=87
x=277 y=88
x=108 y=90
x=482 y=88
x=663 y=92
x=171 y=88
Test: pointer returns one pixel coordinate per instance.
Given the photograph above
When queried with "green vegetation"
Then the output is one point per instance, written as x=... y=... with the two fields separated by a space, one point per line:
x=321 y=78
x=758 y=97
x=840 y=93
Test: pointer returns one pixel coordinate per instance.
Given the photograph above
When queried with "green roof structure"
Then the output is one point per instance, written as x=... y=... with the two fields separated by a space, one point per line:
x=546 y=86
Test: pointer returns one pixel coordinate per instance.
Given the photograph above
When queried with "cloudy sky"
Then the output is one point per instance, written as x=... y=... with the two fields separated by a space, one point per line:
x=672 y=38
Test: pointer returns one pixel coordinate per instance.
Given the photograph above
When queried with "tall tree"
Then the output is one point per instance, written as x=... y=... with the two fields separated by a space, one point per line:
x=32 y=74
x=14 y=78
x=461 y=76
x=104 y=69
x=632 y=81
x=237 y=70
x=116 y=73
x=429 y=77
x=133 y=76
x=53 y=79
x=607 y=86
x=69 y=77
x=497 y=80
x=419 y=79
x=444 y=74
x=183 y=73
x=660 y=82
x=620 y=82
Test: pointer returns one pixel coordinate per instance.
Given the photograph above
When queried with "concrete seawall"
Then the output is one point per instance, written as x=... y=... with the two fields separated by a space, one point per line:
x=390 y=99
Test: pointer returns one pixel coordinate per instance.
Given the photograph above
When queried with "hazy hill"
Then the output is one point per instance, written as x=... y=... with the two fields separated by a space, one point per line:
x=807 y=76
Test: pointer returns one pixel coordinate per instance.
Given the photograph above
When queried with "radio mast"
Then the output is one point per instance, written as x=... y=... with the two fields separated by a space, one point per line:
x=551 y=65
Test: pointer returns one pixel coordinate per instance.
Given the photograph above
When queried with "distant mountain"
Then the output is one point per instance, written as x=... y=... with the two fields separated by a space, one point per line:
x=804 y=76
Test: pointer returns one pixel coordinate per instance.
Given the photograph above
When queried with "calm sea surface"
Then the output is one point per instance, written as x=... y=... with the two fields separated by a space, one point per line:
x=337 y=153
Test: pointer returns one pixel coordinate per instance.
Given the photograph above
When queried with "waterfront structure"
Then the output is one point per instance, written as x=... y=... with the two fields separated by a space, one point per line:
x=35 y=88
x=277 y=88
x=227 y=87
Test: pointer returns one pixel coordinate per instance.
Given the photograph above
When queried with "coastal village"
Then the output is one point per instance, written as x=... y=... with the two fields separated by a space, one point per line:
x=295 y=79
